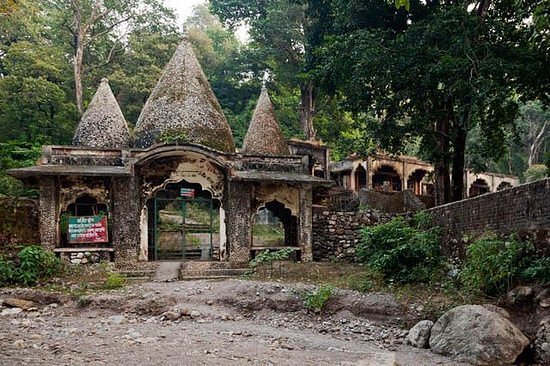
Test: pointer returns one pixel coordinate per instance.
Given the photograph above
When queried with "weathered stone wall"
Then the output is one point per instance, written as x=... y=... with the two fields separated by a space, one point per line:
x=524 y=210
x=19 y=221
x=335 y=233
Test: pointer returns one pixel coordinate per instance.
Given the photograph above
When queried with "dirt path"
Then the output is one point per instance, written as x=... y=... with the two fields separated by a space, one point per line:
x=232 y=322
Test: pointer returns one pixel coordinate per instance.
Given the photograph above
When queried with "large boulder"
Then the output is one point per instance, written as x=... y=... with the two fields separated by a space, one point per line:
x=474 y=334
x=419 y=335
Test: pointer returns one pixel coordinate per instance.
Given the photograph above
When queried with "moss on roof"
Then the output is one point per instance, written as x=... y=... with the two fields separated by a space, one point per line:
x=264 y=136
x=183 y=101
x=103 y=124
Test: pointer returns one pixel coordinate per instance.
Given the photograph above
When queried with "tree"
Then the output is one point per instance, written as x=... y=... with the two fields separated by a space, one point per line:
x=99 y=29
x=277 y=30
x=434 y=75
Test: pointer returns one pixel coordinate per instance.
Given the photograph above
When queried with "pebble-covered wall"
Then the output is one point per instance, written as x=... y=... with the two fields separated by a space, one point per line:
x=335 y=233
x=19 y=221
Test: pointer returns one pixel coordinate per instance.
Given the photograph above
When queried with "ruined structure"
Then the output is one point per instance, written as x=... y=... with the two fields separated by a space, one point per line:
x=385 y=173
x=180 y=191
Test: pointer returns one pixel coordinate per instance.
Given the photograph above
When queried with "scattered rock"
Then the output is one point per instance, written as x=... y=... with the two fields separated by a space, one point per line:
x=544 y=298
x=195 y=314
x=519 y=295
x=19 y=303
x=542 y=342
x=473 y=334
x=419 y=335
x=11 y=312
x=117 y=319
x=171 y=315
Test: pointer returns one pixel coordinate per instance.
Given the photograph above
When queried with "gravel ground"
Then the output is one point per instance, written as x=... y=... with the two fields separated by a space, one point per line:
x=230 y=322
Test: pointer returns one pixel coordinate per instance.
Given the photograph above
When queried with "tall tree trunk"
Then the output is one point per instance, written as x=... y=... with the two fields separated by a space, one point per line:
x=441 y=166
x=535 y=145
x=307 y=109
x=458 y=163
x=78 y=59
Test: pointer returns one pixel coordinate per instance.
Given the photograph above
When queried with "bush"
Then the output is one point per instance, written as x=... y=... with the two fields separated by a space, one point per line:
x=35 y=263
x=317 y=300
x=32 y=265
x=535 y=172
x=402 y=250
x=538 y=270
x=7 y=271
x=114 y=281
x=492 y=265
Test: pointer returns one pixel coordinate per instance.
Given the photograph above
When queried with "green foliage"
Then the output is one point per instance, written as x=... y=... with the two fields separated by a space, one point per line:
x=268 y=257
x=268 y=234
x=401 y=250
x=36 y=263
x=493 y=265
x=317 y=300
x=366 y=281
x=538 y=270
x=535 y=172
x=114 y=281
x=7 y=271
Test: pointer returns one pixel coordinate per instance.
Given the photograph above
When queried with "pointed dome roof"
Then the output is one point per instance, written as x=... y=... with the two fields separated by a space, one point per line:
x=264 y=136
x=182 y=102
x=103 y=124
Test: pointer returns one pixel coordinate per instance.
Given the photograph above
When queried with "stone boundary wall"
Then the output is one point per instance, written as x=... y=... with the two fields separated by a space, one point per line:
x=524 y=210
x=18 y=221
x=336 y=233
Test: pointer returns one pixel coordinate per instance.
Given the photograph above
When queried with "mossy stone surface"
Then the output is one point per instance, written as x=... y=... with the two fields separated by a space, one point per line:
x=183 y=101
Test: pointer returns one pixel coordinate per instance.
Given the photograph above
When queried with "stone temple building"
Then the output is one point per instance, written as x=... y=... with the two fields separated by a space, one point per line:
x=175 y=187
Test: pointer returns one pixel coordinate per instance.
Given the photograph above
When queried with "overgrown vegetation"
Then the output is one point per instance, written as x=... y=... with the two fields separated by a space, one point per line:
x=32 y=265
x=317 y=300
x=494 y=265
x=267 y=257
x=114 y=281
x=402 y=250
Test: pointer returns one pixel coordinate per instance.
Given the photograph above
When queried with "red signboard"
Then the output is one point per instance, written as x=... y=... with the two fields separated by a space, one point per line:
x=88 y=229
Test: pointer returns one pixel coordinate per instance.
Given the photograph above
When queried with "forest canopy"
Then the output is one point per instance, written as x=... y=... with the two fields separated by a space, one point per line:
x=462 y=84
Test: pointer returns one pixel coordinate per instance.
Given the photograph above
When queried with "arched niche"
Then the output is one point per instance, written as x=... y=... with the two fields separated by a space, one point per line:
x=274 y=225
x=478 y=187
x=386 y=179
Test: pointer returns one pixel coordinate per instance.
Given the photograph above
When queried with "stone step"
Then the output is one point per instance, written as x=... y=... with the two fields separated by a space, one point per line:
x=214 y=272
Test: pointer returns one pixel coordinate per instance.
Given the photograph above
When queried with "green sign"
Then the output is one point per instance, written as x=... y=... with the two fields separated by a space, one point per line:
x=88 y=229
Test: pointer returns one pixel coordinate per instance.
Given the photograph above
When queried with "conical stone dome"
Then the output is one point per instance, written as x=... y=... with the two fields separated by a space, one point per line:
x=183 y=104
x=264 y=136
x=103 y=124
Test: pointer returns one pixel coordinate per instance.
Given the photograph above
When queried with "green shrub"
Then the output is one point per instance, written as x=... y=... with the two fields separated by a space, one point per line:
x=35 y=264
x=535 y=172
x=402 y=250
x=538 y=270
x=268 y=257
x=7 y=271
x=492 y=265
x=114 y=281
x=317 y=300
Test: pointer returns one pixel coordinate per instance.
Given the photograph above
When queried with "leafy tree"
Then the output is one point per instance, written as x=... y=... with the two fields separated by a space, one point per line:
x=434 y=75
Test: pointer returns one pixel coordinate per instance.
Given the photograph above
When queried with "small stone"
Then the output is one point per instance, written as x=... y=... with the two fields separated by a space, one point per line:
x=210 y=302
x=195 y=314
x=80 y=255
x=20 y=303
x=19 y=343
x=117 y=319
x=172 y=315
x=11 y=312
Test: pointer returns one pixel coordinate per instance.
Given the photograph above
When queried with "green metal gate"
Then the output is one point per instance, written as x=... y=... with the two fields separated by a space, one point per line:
x=183 y=228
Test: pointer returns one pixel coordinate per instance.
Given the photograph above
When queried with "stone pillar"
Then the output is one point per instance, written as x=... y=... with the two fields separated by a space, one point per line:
x=125 y=221
x=305 y=223
x=239 y=223
x=48 y=202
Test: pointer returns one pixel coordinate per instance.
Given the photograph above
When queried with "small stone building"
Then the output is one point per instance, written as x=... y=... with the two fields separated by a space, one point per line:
x=177 y=179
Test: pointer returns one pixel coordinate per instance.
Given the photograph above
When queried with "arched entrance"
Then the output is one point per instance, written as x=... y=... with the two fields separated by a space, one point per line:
x=415 y=181
x=478 y=187
x=183 y=223
x=386 y=179
x=360 y=177
x=274 y=227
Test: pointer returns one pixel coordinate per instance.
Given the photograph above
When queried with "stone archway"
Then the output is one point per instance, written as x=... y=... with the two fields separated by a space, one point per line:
x=164 y=167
